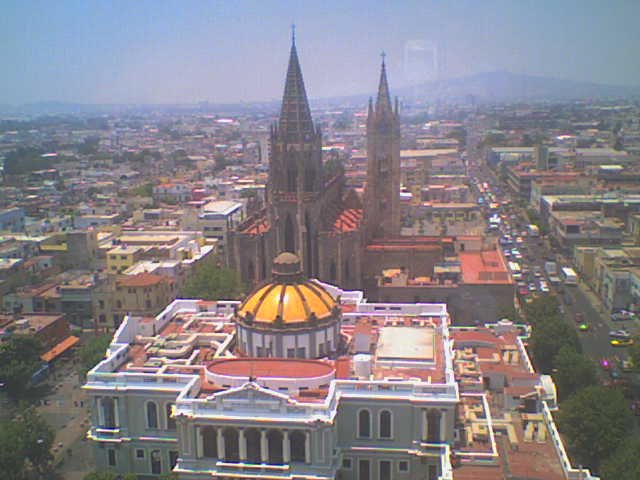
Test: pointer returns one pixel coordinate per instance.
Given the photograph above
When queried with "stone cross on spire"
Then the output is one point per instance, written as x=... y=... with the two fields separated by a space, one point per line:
x=383 y=102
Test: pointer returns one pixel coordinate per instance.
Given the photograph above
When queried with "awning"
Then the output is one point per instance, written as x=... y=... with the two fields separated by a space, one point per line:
x=59 y=349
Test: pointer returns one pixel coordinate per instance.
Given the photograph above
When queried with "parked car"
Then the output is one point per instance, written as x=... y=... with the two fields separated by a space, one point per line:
x=578 y=317
x=622 y=315
x=620 y=334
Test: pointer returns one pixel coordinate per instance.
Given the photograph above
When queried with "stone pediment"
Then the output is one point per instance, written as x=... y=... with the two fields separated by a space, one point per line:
x=252 y=396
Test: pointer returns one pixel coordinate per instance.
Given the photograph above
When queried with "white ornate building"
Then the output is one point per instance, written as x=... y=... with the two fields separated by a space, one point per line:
x=306 y=381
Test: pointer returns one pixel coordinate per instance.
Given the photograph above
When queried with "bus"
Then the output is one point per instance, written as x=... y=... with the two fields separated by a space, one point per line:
x=569 y=275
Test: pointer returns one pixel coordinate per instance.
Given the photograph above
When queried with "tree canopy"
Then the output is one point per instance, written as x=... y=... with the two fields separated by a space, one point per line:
x=572 y=371
x=19 y=360
x=212 y=282
x=624 y=464
x=108 y=475
x=595 y=421
x=550 y=332
x=92 y=352
x=25 y=446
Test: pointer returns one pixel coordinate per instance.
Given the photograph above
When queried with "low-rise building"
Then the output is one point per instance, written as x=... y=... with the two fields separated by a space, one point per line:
x=12 y=220
x=144 y=294
x=219 y=217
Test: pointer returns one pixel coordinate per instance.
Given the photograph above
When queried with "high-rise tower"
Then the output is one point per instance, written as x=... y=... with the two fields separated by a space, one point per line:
x=382 y=193
x=295 y=172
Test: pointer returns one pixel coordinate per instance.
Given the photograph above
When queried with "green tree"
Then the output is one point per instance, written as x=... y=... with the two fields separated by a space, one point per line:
x=572 y=371
x=91 y=353
x=548 y=336
x=25 y=445
x=212 y=282
x=624 y=464
x=19 y=360
x=541 y=308
x=634 y=354
x=144 y=190
x=595 y=421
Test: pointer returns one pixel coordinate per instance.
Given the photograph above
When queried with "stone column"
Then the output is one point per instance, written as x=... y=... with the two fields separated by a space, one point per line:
x=100 y=412
x=199 y=446
x=264 y=447
x=242 y=445
x=425 y=425
x=116 y=413
x=220 y=439
x=286 y=447
x=443 y=425
x=307 y=447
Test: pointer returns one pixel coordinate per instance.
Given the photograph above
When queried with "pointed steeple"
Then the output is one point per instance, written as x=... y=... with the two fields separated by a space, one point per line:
x=383 y=102
x=295 y=116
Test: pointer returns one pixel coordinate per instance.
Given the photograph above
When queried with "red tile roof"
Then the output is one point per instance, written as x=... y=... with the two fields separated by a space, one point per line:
x=270 y=367
x=348 y=220
x=484 y=267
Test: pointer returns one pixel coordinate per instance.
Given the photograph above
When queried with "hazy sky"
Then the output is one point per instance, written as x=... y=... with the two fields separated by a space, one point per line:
x=100 y=51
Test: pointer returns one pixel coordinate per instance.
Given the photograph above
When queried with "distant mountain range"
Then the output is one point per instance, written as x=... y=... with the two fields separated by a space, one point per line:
x=500 y=86
x=506 y=86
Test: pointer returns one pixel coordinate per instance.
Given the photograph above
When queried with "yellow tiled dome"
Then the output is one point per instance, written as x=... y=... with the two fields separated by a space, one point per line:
x=288 y=297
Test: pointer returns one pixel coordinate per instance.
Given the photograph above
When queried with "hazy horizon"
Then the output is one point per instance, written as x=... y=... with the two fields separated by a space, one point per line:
x=184 y=52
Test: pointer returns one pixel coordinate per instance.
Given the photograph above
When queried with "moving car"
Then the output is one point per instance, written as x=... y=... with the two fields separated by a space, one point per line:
x=583 y=327
x=619 y=342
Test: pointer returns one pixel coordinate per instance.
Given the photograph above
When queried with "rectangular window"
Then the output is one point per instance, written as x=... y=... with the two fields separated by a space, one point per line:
x=385 y=470
x=156 y=463
x=139 y=453
x=111 y=457
x=291 y=352
x=403 y=466
x=346 y=463
x=302 y=352
x=364 y=470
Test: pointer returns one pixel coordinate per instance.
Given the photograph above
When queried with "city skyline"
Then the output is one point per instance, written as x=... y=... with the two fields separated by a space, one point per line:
x=116 y=52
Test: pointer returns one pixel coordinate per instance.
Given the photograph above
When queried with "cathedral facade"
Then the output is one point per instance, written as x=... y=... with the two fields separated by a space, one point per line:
x=340 y=238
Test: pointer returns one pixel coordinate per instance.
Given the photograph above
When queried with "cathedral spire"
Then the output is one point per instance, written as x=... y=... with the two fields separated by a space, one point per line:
x=383 y=102
x=295 y=116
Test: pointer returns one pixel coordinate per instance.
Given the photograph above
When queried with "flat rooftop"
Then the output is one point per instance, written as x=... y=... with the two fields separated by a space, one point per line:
x=406 y=343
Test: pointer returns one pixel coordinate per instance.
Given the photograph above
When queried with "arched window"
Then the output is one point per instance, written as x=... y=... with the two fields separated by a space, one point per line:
x=364 y=424
x=152 y=415
x=251 y=272
x=292 y=178
x=298 y=441
x=384 y=424
x=289 y=235
x=171 y=422
x=309 y=261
